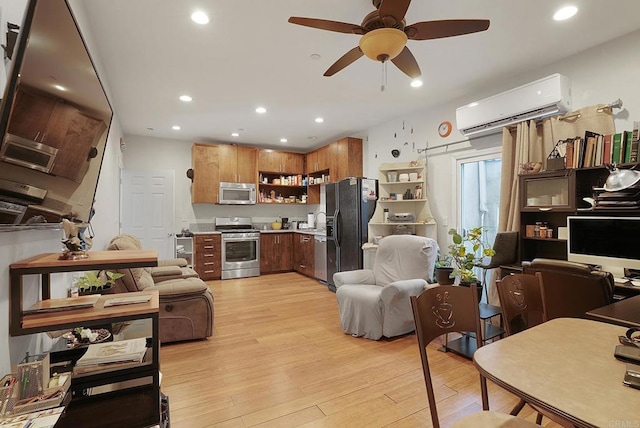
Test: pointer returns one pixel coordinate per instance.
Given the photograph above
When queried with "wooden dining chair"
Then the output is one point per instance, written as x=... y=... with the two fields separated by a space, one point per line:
x=520 y=298
x=447 y=309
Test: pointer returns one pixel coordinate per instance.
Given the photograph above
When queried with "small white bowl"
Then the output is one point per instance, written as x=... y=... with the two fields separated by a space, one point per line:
x=403 y=177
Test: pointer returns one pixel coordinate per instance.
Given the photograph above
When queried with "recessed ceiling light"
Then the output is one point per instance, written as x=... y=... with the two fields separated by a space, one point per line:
x=261 y=110
x=416 y=83
x=60 y=87
x=185 y=98
x=235 y=134
x=175 y=127
x=313 y=137
x=315 y=57
x=319 y=120
x=199 y=17
x=565 y=13
x=150 y=129
x=283 y=140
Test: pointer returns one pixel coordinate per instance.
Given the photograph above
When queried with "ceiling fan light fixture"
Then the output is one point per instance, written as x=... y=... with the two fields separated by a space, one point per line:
x=383 y=44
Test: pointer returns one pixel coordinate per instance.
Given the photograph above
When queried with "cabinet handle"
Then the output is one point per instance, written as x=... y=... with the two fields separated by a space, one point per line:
x=208 y=263
x=37 y=135
x=208 y=247
x=43 y=137
x=208 y=255
x=208 y=271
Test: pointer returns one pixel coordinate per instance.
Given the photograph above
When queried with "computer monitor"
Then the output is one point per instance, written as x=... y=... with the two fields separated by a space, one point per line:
x=611 y=242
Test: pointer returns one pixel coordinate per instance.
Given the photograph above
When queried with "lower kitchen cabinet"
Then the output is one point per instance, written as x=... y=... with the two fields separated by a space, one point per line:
x=276 y=252
x=304 y=254
x=208 y=258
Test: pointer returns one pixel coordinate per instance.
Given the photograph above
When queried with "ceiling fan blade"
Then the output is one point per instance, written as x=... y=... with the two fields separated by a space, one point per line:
x=344 y=61
x=447 y=28
x=407 y=63
x=323 y=24
x=394 y=8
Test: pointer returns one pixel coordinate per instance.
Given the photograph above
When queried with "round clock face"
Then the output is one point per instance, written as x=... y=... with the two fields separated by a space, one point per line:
x=444 y=129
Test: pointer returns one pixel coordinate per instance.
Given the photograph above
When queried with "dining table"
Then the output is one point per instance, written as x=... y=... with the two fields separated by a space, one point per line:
x=625 y=312
x=566 y=367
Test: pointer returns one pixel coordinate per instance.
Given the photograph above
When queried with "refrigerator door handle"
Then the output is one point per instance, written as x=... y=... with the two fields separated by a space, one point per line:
x=337 y=228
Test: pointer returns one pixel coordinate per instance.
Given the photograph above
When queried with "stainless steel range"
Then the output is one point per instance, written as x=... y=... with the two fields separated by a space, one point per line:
x=240 y=247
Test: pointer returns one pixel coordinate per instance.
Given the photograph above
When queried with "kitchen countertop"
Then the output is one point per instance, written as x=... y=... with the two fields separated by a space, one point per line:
x=302 y=231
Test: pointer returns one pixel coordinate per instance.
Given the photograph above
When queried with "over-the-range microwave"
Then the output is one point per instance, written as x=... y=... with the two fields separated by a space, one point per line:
x=237 y=193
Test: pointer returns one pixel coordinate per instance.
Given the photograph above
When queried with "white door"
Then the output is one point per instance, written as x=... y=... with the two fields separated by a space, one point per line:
x=147 y=209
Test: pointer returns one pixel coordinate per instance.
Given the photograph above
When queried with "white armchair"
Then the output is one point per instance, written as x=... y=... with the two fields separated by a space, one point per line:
x=375 y=303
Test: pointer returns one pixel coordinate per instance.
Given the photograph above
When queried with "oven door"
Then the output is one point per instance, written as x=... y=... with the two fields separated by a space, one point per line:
x=11 y=213
x=240 y=252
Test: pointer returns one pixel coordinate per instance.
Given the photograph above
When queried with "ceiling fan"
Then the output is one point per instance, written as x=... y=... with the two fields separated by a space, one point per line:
x=385 y=34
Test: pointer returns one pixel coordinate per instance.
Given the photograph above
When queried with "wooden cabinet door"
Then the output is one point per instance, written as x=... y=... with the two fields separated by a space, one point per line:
x=304 y=254
x=269 y=161
x=74 y=134
x=311 y=162
x=285 y=252
x=228 y=163
x=326 y=157
x=30 y=115
x=347 y=155
x=292 y=163
x=247 y=165
x=205 y=184
x=268 y=249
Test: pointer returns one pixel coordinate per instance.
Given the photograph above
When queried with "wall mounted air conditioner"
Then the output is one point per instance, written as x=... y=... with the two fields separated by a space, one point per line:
x=545 y=97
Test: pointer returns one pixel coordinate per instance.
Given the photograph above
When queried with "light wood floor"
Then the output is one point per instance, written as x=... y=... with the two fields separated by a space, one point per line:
x=278 y=358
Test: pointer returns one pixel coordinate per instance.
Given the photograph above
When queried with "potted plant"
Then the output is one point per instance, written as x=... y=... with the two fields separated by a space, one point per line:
x=444 y=270
x=466 y=253
x=93 y=282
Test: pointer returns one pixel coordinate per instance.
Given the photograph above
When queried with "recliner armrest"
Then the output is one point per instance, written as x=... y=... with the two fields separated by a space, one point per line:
x=180 y=262
x=354 y=277
x=160 y=271
x=402 y=289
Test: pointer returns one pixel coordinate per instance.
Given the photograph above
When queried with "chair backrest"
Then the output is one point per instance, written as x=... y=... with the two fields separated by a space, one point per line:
x=571 y=289
x=405 y=257
x=441 y=310
x=134 y=279
x=521 y=302
x=506 y=248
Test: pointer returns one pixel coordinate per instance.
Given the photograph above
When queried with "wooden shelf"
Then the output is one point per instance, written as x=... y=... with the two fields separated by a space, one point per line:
x=403 y=200
x=402 y=182
x=64 y=319
x=432 y=222
x=122 y=259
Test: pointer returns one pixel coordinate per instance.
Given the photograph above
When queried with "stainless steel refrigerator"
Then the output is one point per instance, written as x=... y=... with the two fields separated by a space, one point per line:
x=350 y=204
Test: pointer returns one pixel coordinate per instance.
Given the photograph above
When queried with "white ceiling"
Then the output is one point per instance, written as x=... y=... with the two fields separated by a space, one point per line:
x=249 y=55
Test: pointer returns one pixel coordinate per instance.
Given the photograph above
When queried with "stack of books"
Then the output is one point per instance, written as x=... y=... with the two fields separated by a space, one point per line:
x=112 y=355
x=596 y=150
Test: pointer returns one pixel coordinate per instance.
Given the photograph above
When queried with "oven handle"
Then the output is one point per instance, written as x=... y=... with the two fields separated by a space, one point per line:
x=240 y=239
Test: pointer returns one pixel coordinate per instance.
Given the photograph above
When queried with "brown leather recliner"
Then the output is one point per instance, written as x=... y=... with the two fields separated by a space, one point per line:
x=570 y=289
x=186 y=302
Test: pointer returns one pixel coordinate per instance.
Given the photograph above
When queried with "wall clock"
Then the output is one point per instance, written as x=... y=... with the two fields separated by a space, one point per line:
x=444 y=129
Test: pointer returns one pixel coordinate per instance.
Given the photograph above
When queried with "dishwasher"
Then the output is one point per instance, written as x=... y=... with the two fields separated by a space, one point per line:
x=320 y=262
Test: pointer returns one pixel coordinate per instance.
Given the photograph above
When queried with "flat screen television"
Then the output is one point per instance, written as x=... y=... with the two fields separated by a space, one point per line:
x=54 y=119
x=610 y=242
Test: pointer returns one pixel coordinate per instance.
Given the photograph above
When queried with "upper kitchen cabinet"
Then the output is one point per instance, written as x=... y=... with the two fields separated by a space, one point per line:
x=237 y=164
x=52 y=124
x=274 y=161
x=205 y=183
x=320 y=159
x=347 y=155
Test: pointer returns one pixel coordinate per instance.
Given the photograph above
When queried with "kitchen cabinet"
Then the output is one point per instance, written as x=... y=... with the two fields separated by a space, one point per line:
x=304 y=254
x=205 y=184
x=276 y=252
x=391 y=198
x=51 y=121
x=274 y=161
x=332 y=163
x=208 y=256
x=108 y=391
x=320 y=159
x=237 y=164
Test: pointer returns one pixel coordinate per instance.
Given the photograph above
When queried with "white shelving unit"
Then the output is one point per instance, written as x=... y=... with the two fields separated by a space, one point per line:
x=184 y=249
x=424 y=224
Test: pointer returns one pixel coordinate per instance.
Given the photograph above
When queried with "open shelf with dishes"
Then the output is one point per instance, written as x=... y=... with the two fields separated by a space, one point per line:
x=276 y=188
x=402 y=207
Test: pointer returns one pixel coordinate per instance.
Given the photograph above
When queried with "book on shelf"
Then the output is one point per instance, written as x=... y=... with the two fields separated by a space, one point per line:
x=65 y=304
x=589 y=152
x=569 y=153
x=635 y=139
x=606 y=148
x=131 y=350
x=597 y=161
x=627 y=137
x=616 y=148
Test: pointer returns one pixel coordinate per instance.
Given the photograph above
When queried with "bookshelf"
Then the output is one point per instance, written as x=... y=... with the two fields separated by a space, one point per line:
x=129 y=396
